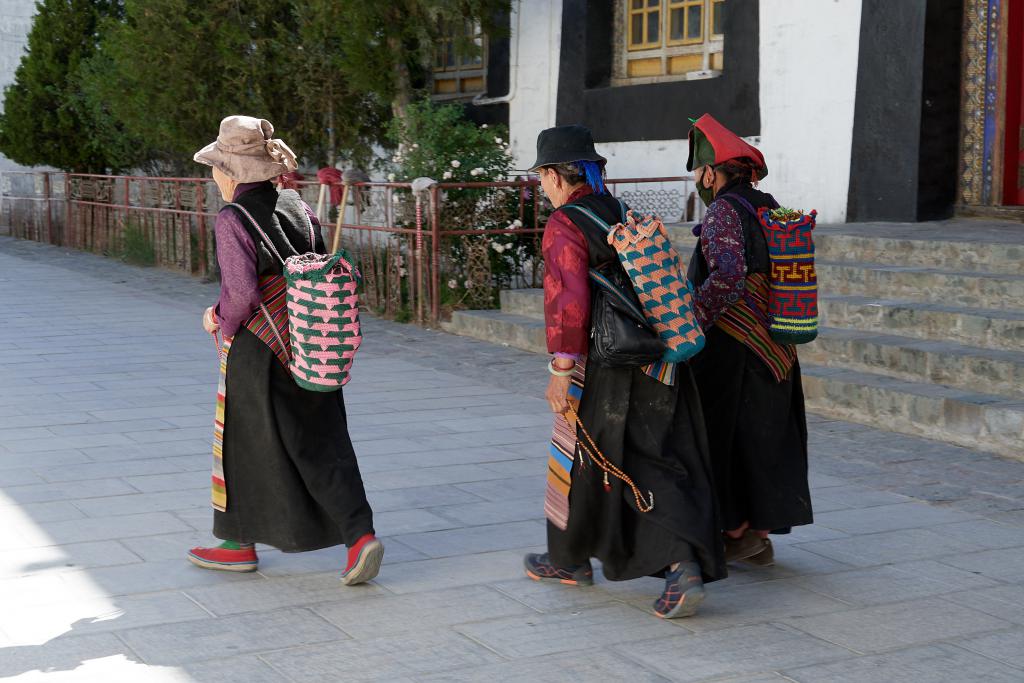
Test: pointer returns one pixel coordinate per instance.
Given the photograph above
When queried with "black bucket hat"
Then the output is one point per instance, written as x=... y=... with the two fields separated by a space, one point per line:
x=563 y=144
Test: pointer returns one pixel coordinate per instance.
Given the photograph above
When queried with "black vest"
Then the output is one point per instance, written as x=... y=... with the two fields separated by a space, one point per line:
x=755 y=247
x=283 y=218
x=602 y=256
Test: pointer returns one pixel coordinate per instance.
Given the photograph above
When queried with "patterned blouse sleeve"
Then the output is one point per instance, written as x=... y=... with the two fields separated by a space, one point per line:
x=239 y=284
x=566 y=287
x=721 y=240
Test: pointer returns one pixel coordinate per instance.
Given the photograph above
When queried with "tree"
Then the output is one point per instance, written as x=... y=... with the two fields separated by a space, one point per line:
x=331 y=118
x=46 y=119
x=388 y=46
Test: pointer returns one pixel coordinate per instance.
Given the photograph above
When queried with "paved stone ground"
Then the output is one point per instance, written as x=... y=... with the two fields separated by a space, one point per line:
x=913 y=571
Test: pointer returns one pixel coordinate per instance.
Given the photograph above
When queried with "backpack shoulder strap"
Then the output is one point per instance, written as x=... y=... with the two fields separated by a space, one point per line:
x=597 y=219
x=266 y=238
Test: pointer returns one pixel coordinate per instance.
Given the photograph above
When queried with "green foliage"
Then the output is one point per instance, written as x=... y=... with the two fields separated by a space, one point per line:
x=137 y=248
x=47 y=118
x=389 y=46
x=438 y=142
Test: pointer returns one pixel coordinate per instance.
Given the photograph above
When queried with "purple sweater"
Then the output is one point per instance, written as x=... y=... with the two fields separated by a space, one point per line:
x=236 y=255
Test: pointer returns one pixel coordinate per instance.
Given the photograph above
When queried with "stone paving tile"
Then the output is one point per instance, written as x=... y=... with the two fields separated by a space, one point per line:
x=547 y=597
x=261 y=595
x=244 y=669
x=150 y=577
x=38 y=623
x=1005 y=602
x=60 y=655
x=1003 y=564
x=494 y=512
x=41 y=493
x=449 y=572
x=588 y=665
x=927 y=664
x=869 y=520
x=401 y=615
x=41 y=513
x=162 y=501
x=543 y=634
x=174 y=644
x=67 y=557
x=893 y=583
x=9 y=461
x=479 y=539
x=382 y=659
x=1005 y=646
x=123 y=526
x=891 y=546
x=744 y=650
x=896 y=625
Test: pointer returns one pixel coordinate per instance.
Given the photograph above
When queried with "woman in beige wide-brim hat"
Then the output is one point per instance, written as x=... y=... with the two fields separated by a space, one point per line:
x=285 y=473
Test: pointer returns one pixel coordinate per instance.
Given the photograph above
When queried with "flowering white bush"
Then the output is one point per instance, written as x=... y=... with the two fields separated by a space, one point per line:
x=447 y=175
x=452 y=284
x=497 y=247
x=456 y=163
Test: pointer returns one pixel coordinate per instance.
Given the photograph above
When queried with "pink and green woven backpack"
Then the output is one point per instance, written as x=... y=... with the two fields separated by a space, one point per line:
x=323 y=314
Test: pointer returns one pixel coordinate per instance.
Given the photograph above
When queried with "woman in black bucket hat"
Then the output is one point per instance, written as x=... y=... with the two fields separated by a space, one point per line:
x=645 y=429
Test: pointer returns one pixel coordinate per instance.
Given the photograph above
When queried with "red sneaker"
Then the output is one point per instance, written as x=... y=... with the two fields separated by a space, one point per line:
x=233 y=558
x=364 y=560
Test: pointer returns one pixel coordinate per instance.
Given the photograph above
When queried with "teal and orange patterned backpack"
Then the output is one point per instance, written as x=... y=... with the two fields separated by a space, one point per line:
x=655 y=270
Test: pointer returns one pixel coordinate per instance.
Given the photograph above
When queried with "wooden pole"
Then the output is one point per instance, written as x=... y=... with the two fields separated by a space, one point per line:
x=341 y=219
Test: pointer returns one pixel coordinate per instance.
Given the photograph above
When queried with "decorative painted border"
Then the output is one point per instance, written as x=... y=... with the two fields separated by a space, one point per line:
x=991 y=97
x=979 y=101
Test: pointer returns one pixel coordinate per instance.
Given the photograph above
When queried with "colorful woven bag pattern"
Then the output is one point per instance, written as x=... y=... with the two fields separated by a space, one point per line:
x=323 y=319
x=793 y=297
x=653 y=265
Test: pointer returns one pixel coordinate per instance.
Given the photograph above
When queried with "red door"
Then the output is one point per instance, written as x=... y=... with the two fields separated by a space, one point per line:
x=1013 y=179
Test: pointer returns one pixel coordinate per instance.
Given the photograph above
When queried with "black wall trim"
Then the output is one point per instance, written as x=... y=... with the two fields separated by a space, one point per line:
x=497 y=79
x=939 y=157
x=903 y=165
x=656 y=111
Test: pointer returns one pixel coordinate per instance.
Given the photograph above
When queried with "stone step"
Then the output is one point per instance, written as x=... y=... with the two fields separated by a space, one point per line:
x=963 y=288
x=525 y=302
x=973 y=420
x=499 y=327
x=959 y=245
x=915 y=360
x=982 y=327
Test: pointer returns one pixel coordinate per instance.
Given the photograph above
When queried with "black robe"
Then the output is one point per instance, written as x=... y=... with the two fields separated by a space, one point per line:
x=757 y=427
x=289 y=466
x=655 y=434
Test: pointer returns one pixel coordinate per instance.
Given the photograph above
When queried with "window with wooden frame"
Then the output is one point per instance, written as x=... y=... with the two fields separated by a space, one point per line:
x=461 y=72
x=664 y=40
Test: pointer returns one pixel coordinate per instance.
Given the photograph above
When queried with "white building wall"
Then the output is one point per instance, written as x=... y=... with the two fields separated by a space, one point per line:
x=808 y=79
x=534 y=57
x=808 y=82
x=15 y=23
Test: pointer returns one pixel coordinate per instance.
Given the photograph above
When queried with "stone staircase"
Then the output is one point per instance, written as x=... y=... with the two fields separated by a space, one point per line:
x=922 y=329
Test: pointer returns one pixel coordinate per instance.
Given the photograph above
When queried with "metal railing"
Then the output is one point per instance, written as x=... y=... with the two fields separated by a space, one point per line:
x=421 y=255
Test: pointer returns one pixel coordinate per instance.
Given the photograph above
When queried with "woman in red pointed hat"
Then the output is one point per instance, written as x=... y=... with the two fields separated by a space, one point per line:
x=749 y=384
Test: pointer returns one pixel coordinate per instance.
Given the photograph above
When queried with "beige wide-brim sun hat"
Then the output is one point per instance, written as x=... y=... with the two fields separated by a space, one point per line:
x=246 y=151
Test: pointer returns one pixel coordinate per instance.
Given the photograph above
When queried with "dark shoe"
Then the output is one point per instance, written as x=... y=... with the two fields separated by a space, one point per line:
x=747 y=545
x=540 y=568
x=684 y=591
x=765 y=558
x=364 y=560
x=227 y=557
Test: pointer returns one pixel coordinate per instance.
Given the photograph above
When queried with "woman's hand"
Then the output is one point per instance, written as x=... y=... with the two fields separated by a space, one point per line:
x=210 y=323
x=558 y=394
x=558 y=387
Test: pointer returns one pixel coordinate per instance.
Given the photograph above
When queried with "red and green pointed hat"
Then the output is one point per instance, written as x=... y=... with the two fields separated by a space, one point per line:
x=711 y=144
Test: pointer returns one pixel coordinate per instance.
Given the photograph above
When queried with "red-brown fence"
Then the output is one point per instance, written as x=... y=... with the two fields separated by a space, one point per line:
x=421 y=254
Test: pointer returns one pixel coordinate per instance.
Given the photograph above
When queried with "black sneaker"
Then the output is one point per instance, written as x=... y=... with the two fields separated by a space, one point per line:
x=684 y=591
x=540 y=568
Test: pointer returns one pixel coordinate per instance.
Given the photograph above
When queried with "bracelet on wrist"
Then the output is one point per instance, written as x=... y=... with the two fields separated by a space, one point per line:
x=558 y=372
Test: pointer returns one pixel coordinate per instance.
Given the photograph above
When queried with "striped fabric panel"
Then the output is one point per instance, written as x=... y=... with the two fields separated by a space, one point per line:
x=219 y=491
x=273 y=332
x=562 y=452
x=744 y=321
